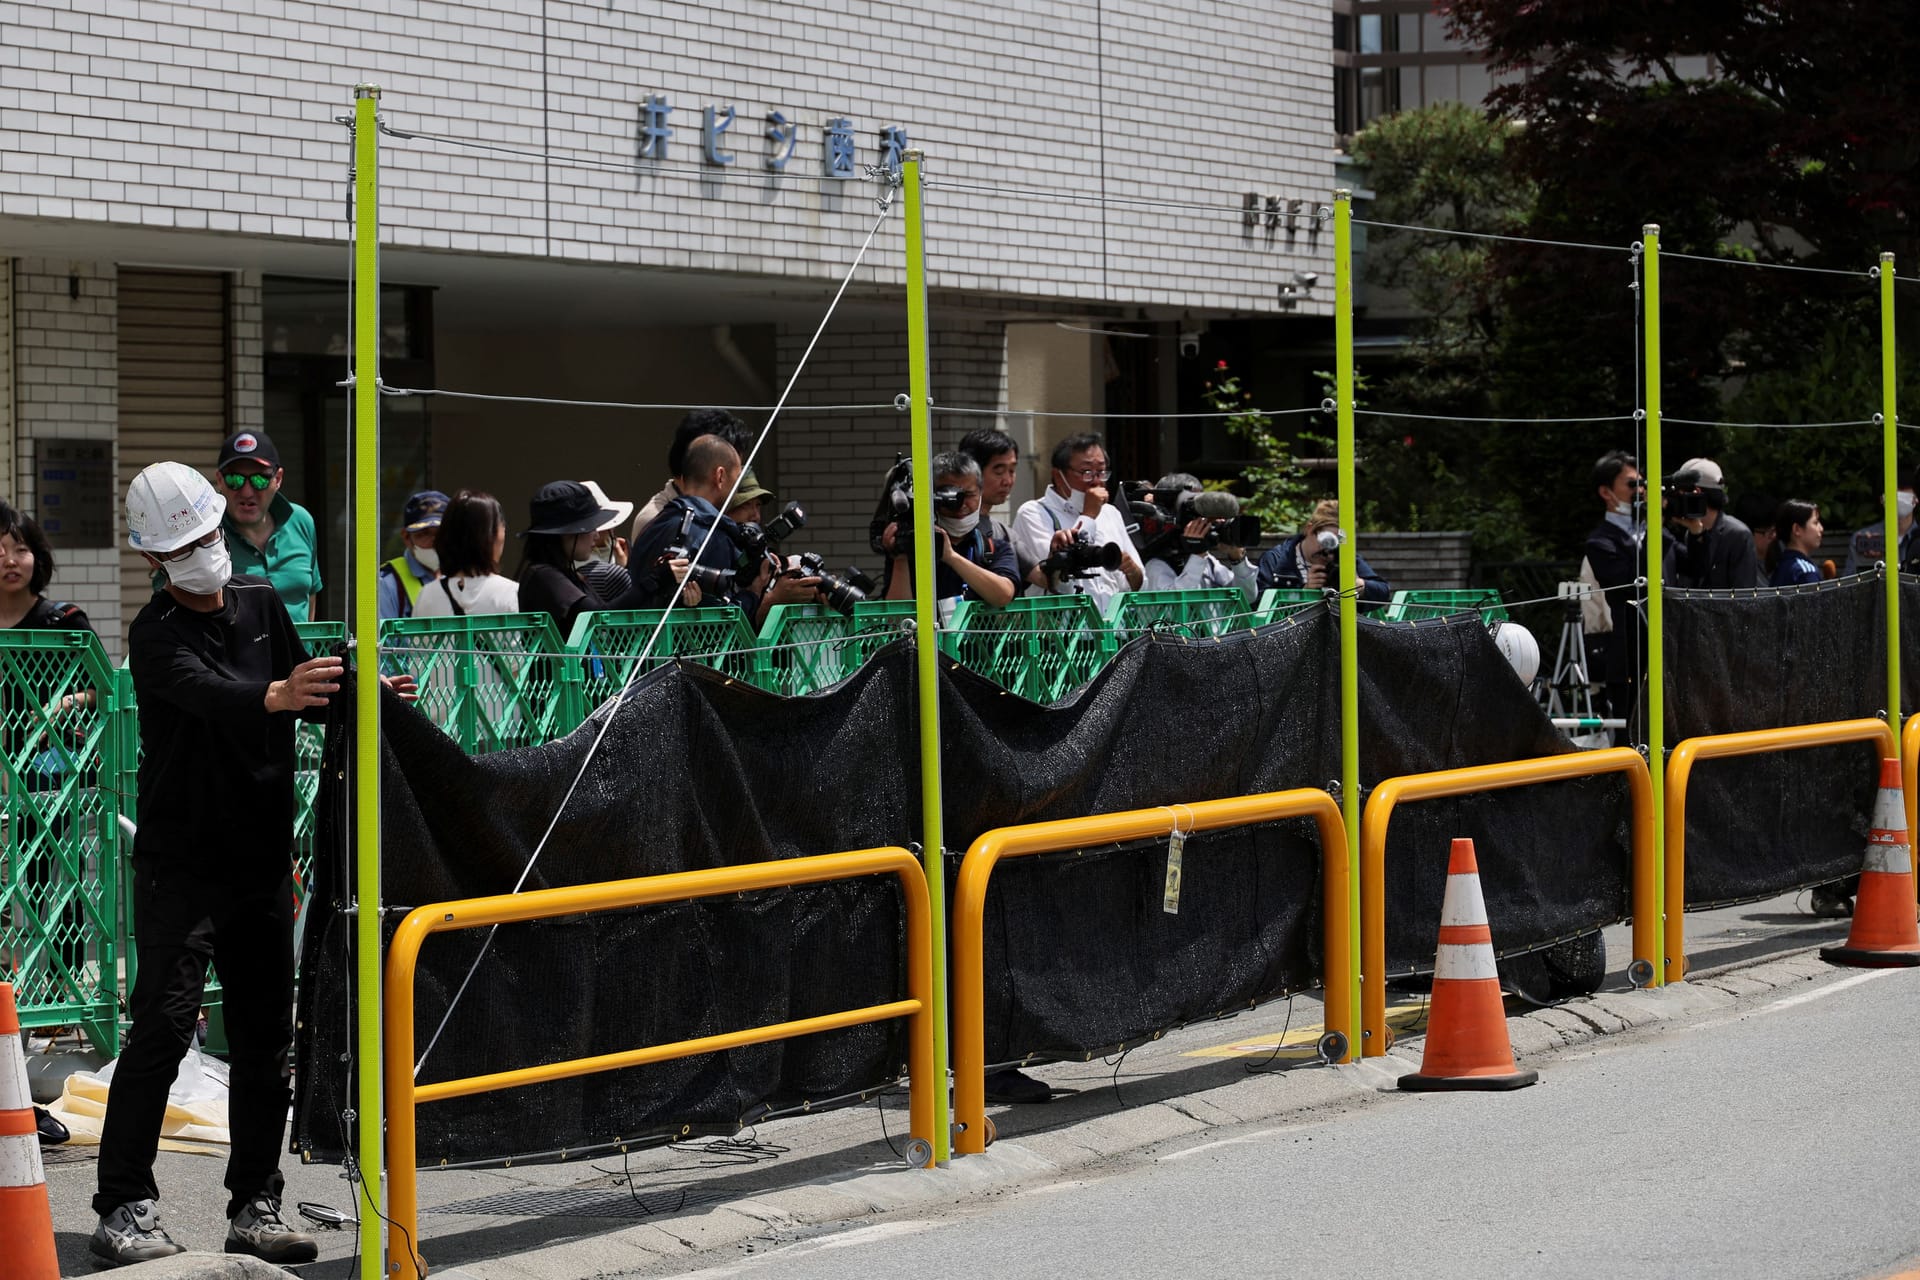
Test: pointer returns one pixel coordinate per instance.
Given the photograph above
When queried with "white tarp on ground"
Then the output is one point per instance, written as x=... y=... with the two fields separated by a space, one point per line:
x=196 y=1119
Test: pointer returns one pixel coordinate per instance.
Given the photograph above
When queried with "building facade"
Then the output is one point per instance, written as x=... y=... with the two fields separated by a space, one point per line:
x=637 y=203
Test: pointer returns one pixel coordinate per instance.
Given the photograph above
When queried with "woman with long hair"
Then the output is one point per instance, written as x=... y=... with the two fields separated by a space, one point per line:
x=473 y=534
x=559 y=541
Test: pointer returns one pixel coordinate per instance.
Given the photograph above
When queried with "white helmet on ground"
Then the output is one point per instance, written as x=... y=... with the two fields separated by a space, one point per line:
x=169 y=505
x=1518 y=647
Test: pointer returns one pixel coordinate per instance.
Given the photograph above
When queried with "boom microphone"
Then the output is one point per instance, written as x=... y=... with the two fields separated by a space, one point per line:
x=1214 y=504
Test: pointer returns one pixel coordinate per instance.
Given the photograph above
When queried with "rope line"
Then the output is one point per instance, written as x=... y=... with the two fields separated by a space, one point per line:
x=1489 y=235
x=1770 y=426
x=625 y=404
x=1770 y=266
x=1036 y=413
x=1453 y=417
x=653 y=637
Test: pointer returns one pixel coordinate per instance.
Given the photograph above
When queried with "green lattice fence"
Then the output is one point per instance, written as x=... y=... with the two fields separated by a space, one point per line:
x=608 y=644
x=1194 y=614
x=61 y=768
x=1040 y=647
x=308 y=742
x=1422 y=606
x=492 y=681
x=806 y=647
x=1276 y=603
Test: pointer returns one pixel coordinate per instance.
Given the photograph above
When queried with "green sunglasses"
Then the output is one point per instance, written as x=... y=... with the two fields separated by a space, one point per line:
x=237 y=482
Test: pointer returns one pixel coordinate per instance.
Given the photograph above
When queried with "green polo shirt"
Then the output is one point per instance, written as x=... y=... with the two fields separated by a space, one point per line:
x=291 y=560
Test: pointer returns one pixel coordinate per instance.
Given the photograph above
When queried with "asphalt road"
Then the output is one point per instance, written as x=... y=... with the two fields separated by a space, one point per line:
x=1777 y=1141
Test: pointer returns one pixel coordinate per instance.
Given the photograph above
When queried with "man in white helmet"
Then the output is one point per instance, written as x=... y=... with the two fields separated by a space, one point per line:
x=220 y=677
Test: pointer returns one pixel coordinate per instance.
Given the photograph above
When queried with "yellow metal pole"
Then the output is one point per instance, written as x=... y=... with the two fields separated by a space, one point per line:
x=926 y=650
x=1655 y=690
x=1349 y=574
x=1890 y=484
x=1719 y=746
x=366 y=624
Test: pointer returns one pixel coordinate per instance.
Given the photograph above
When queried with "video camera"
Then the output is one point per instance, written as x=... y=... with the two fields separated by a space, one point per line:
x=1082 y=558
x=1681 y=496
x=896 y=508
x=1162 y=516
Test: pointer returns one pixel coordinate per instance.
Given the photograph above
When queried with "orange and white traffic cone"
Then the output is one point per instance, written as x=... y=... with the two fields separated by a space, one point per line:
x=26 y=1215
x=1886 y=926
x=1467 y=1045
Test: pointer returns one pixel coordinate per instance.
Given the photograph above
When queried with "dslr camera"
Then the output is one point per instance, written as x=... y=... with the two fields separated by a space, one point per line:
x=754 y=542
x=840 y=593
x=1681 y=496
x=896 y=508
x=1082 y=558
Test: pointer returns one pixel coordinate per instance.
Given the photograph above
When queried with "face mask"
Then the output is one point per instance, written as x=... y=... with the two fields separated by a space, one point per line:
x=429 y=558
x=202 y=573
x=958 y=526
x=1903 y=503
x=1077 y=499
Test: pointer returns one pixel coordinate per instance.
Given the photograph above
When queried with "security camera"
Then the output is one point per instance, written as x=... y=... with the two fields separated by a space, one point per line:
x=1190 y=343
x=1306 y=280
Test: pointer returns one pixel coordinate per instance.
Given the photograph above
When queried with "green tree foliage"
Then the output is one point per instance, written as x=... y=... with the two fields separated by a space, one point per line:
x=1280 y=493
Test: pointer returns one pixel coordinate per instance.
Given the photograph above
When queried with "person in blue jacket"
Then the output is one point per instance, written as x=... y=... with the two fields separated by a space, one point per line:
x=1311 y=558
x=1798 y=530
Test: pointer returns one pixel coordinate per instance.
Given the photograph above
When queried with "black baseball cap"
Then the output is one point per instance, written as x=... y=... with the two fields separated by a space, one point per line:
x=249 y=446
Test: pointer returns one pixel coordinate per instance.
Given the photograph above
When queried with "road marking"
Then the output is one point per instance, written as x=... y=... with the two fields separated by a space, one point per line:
x=872 y=1234
x=1223 y=1142
x=1791 y=1002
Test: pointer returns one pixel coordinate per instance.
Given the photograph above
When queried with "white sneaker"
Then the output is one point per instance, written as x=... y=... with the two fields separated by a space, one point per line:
x=258 y=1229
x=132 y=1233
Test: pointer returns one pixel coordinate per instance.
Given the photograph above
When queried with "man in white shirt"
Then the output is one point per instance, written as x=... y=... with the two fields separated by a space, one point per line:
x=1075 y=504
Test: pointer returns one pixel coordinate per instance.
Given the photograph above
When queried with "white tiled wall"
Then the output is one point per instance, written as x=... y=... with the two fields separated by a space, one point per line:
x=220 y=115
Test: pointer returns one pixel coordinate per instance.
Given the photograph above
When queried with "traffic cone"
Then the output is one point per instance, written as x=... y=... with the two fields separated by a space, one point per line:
x=26 y=1215
x=1886 y=927
x=1467 y=1045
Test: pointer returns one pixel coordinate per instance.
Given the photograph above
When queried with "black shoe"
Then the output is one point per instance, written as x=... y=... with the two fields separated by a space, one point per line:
x=1010 y=1084
x=131 y=1233
x=258 y=1229
x=1831 y=905
x=52 y=1132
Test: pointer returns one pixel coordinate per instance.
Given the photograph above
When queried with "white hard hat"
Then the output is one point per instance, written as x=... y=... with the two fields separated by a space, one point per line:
x=1518 y=647
x=169 y=505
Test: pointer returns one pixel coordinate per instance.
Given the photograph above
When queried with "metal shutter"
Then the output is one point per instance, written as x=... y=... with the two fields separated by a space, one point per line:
x=174 y=384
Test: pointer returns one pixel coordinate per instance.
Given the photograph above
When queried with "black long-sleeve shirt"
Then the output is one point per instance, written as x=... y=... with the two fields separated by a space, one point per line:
x=216 y=768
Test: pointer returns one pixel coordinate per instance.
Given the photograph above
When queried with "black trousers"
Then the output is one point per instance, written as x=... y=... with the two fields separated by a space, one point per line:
x=182 y=920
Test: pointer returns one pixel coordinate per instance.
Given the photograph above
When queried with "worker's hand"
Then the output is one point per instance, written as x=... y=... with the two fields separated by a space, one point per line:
x=406 y=686
x=310 y=684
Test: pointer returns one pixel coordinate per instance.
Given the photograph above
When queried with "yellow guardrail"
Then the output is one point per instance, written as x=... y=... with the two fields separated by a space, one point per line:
x=403 y=1095
x=1493 y=777
x=969 y=980
x=1719 y=746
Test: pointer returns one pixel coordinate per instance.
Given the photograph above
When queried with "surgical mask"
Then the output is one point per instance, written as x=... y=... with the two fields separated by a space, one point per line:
x=1903 y=503
x=429 y=558
x=202 y=573
x=1077 y=499
x=958 y=526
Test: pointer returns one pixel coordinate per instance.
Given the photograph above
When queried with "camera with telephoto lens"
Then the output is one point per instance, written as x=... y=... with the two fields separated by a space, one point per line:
x=1162 y=517
x=841 y=594
x=709 y=579
x=1082 y=558
x=755 y=541
x=1682 y=497
x=896 y=508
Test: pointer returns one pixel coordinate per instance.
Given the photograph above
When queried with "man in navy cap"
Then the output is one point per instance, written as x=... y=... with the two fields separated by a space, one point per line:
x=268 y=534
x=418 y=563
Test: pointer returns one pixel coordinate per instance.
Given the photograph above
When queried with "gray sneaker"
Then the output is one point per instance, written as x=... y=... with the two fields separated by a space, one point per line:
x=131 y=1233
x=259 y=1229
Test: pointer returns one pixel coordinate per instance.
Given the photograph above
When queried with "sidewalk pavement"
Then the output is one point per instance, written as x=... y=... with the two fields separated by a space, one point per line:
x=666 y=1209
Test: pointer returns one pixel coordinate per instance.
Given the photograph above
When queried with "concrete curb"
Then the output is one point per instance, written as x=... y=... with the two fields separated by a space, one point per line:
x=751 y=1225
x=203 y=1266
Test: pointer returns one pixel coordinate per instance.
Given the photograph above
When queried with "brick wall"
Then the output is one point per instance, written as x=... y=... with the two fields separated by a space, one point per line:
x=209 y=115
x=246 y=405
x=1419 y=561
x=834 y=464
x=6 y=377
x=66 y=376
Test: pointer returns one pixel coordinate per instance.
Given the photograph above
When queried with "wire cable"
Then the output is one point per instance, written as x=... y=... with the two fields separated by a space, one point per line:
x=1489 y=235
x=1769 y=266
x=628 y=404
x=653 y=637
x=1456 y=417
x=1771 y=426
x=1127 y=417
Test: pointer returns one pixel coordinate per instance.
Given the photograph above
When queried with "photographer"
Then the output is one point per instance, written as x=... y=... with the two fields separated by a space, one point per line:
x=1311 y=560
x=1069 y=540
x=1180 y=553
x=969 y=563
x=1710 y=547
x=708 y=472
x=999 y=459
x=565 y=518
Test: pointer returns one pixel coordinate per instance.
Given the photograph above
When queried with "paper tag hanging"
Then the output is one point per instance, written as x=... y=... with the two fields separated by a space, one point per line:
x=1170 y=896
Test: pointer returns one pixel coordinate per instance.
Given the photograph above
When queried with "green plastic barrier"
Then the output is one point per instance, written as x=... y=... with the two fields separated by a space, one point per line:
x=607 y=644
x=1276 y=603
x=1423 y=606
x=62 y=768
x=1195 y=614
x=492 y=681
x=806 y=647
x=1040 y=647
x=308 y=742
